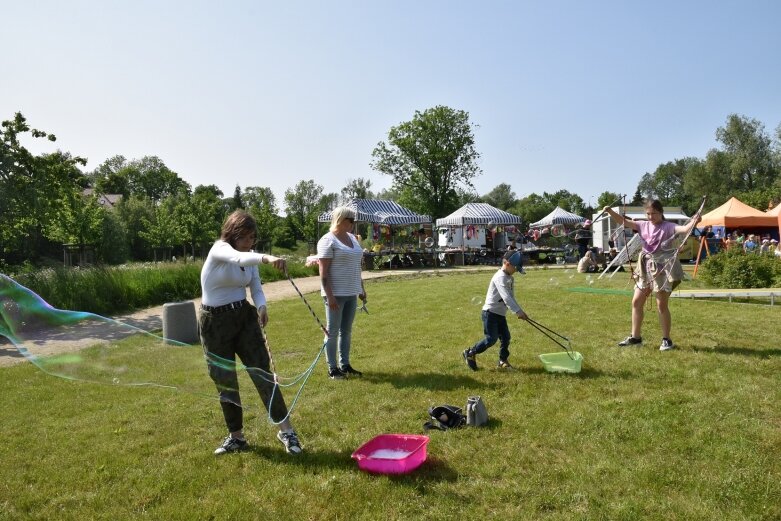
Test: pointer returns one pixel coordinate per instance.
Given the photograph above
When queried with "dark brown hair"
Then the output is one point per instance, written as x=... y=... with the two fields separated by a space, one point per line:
x=238 y=224
x=655 y=204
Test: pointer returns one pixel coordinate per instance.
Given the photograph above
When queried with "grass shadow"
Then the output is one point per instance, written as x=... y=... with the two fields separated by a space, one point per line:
x=764 y=354
x=321 y=459
x=586 y=373
x=429 y=381
x=433 y=469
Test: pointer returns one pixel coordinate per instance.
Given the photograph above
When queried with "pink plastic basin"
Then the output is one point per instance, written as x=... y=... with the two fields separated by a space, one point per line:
x=392 y=453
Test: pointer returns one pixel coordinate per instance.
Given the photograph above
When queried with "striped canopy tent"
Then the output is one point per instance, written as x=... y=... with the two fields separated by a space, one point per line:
x=478 y=213
x=558 y=216
x=380 y=211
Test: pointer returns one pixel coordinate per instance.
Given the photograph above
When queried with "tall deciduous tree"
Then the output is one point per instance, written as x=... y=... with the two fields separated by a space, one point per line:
x=501 y=196
x=668 y=183
x=532 y=208
x=149 y=176
x=751 y=157
x=32 y=190
x=111 y=176
x=356 y=189
x=302 y=206
x=262 y=204
x=433 y=155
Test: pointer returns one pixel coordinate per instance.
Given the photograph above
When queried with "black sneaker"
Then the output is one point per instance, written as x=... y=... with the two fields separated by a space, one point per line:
x=630 y=341
x=336 y=374
x=504 y=364
x=667 y=344
x=290 y=441
x=470 y=360
x=231 y=444
x=348 y=369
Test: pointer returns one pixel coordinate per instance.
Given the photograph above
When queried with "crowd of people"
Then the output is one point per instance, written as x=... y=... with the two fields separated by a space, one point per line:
x=750 y=243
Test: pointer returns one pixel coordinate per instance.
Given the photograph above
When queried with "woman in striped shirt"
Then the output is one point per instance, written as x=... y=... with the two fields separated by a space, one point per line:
x=339 y=254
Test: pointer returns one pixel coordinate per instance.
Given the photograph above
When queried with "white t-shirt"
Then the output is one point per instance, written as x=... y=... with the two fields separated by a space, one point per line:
x=344 y=273
x=501 y=294
x=226 y=274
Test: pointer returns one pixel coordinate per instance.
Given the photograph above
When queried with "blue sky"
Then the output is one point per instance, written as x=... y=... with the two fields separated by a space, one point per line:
x=579 y=95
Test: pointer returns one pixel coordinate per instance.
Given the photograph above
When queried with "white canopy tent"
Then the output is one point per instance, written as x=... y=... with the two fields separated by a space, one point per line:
x=478 y=213
x=380 y=211
x=558 y=216
x=466 y=227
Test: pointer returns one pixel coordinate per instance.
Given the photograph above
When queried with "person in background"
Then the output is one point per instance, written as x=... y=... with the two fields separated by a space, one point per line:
x=583 y=238
x=658 y=269
x=499 y=298
x=765 y=246
x=341 y=285
x=750 y=244
x=230 y=326
x=588 y=264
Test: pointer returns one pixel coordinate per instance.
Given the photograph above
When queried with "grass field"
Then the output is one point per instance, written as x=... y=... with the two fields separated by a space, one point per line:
x=694 y=433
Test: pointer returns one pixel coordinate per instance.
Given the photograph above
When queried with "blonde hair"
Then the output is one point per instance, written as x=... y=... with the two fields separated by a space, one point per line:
x=340 y=214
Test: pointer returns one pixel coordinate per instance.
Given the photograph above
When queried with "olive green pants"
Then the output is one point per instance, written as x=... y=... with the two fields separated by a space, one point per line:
x=225 y=336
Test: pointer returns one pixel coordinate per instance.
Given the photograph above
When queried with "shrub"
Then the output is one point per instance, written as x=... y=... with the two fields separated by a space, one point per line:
x=736 y=269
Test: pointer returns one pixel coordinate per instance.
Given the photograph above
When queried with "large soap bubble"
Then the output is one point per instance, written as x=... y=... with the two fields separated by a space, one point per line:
x=83 y=346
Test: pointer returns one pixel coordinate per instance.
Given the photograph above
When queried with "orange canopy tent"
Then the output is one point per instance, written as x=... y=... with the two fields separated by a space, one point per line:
x=736 y=214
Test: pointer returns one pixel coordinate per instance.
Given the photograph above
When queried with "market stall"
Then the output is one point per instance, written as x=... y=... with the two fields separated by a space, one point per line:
x=476 y=233
x=397 y=233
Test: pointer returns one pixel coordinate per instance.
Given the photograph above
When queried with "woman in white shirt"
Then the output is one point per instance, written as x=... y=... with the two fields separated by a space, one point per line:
x=230 y=326
x=339 y=254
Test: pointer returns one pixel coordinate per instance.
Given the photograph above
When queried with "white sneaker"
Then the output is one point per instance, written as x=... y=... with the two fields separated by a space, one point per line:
x=290 y=441
x=667 y=344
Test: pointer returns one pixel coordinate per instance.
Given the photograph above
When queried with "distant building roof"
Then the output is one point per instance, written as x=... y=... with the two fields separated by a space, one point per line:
x=109 y=200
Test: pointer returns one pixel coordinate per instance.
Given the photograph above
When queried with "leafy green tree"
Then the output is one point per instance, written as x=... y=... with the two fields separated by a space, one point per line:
x=532 y=208
x=302 y=206
x=566 y=200
x=114 y=245
x=284 y=235
x=133 y=212
x=32 y=190
x=761 y=198
x=164 y=230
x=608 y=198
x=356 y=189
x=237 y=203
x=668 y=183
x=261 y=203
x=150 y=177
x=501 y=196
x=432 y=154
x=80 y=221
x=112 y=176
x=750 y=151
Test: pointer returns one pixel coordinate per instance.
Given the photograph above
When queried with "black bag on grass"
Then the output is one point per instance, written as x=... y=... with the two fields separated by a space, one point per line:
x=444 y=417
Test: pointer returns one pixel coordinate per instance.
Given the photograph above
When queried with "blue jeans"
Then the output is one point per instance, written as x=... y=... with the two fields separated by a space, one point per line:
x=340 y=329
x=495 y=328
